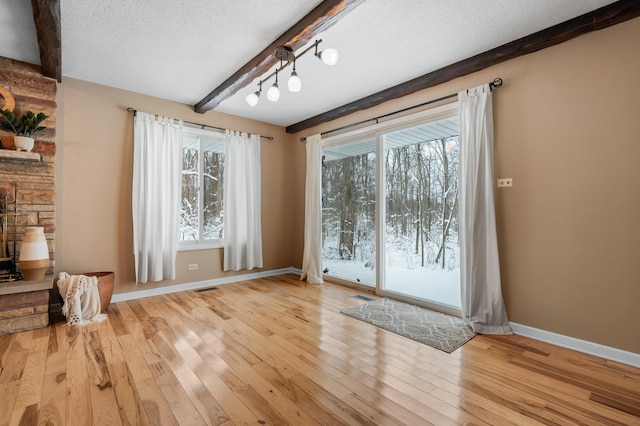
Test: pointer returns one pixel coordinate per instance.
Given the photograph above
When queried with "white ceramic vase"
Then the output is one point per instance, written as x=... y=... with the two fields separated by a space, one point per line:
x=34 y=254
x=23 y=143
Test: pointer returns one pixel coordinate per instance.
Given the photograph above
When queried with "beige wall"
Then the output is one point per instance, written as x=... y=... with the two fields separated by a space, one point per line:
x=567 y=127
x=567 y=130
x=94 y=158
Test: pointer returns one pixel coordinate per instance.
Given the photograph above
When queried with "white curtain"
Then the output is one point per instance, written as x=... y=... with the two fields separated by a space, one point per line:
x=156 y=193
x=482 y=304
x=312 y=256
x=242 y=211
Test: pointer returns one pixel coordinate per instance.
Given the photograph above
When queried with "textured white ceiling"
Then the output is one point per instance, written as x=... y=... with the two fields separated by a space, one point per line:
x=183 y=49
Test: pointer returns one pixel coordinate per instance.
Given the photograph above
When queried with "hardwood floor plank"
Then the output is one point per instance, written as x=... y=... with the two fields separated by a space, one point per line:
x=569 y=395
x=29 y=416
x=53 y=402
x=220 y=348
x=130 y=406
x=222 y=389
x=136 y=329
x=297 y=378
x=6 y=341
x=148 y=326
x=293 y=367
x=54 y=345
x=279 y=351
x=78 y=408
x=16 y=359
x=388 y=400
x=78 y=399
x=52 y=406
x=298 y=395
x=285 y=407
x=103 y=399
x=76 y=361
x=580 y=376
x=30 y=392
x=9 y=392
x=627 y=405
x=181 y=405
x=481 y=410
x=330 y=382
x=222 y=381
x=206 y=404
x=116 y=320
x=155 y=404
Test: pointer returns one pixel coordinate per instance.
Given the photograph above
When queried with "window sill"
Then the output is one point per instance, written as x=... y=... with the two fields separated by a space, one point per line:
x=193 y=247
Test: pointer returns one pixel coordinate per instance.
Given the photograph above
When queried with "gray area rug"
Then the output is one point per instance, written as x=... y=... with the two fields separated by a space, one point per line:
x=435 y=329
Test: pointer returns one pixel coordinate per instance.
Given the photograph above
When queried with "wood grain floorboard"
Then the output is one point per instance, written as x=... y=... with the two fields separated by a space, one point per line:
x=31 y=382
x=277 y=351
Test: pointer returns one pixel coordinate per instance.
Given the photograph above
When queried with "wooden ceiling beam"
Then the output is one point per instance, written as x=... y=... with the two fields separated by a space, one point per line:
x=604 y=17
x=325 y=15
x=46 y=16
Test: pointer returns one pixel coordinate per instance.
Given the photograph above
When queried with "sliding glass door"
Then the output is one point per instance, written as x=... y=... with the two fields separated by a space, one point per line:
x=390 y=210
x=421 y=247
x=349 y=211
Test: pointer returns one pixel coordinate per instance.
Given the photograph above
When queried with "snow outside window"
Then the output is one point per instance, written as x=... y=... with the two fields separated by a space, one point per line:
x=201 y=209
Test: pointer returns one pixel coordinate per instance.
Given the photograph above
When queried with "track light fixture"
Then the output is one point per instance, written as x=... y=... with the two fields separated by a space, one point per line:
x=287 y=57
x=328 y=56
x=273 y=94
x=294 y=83
x=252 y=98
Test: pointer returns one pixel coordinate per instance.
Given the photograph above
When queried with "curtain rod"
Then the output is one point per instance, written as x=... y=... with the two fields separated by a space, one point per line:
x=497 y=82
x=202 y=126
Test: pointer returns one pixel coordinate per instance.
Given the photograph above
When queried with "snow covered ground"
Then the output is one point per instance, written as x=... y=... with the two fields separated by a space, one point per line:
x=434 y=284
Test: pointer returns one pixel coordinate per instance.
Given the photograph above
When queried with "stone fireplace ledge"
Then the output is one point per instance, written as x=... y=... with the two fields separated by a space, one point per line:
x=22 y=286
x=19 y=155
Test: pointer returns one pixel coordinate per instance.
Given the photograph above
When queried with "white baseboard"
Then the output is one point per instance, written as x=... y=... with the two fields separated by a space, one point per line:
x=121 y=297
x=606 y=352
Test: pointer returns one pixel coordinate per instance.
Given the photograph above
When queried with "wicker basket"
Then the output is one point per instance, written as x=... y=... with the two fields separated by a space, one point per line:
x=105 y=287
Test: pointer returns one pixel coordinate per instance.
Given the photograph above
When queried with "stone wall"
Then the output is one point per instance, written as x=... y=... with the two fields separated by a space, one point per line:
x=31 y=177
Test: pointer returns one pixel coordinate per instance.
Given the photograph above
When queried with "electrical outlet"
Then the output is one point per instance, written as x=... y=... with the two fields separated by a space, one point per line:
x=193 y=266
x=505 y=182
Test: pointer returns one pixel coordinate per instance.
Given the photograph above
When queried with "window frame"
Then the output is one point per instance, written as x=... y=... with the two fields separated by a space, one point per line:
x=201 y=135
x=378 y=131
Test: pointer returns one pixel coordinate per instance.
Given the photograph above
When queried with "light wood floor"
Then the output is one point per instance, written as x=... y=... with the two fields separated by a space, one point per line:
x=277 y=351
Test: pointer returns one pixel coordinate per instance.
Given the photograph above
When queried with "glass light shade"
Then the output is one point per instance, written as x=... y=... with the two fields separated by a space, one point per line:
x=294 y=83
x=329 y=56
x=252 y=98
x=273 y=94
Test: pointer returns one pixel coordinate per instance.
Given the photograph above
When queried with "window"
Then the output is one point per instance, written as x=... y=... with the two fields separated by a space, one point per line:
x=389 y=208
x=201 y=209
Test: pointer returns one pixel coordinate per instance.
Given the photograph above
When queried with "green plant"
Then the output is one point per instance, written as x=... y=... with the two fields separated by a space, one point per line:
x=25 y=125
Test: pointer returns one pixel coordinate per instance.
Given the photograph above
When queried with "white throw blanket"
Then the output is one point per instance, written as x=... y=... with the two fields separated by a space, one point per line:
x=81 y=299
